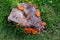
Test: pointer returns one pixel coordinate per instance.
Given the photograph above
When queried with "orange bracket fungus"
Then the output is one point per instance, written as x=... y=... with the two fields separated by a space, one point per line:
x=27 y=15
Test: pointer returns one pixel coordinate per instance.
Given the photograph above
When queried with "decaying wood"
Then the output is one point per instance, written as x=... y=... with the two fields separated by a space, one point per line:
x=26 y=15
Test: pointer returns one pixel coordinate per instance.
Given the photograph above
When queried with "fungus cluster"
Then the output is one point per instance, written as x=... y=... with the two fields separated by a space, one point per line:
x=27 y=15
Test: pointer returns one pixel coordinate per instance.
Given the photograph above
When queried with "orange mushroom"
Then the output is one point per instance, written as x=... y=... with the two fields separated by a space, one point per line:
x=44 y=23
x=34 y=31
x=20 y=7
x=37 y=13
x=28 y=30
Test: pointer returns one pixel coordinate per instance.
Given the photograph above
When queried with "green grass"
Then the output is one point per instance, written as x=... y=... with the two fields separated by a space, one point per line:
x=49 y=13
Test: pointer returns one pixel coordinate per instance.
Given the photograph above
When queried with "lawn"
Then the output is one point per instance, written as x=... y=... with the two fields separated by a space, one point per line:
x=50 y=13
